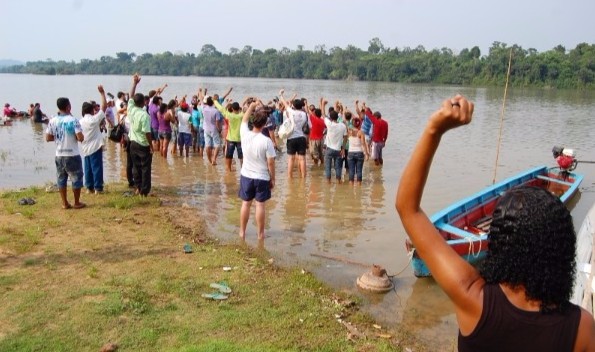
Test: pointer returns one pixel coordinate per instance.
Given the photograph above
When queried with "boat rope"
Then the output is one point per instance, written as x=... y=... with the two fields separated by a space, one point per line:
x=410 y=255
x=502 y=117
x=471 y=250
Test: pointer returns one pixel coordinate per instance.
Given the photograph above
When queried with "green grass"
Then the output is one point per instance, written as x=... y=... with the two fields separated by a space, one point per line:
x=115 y=272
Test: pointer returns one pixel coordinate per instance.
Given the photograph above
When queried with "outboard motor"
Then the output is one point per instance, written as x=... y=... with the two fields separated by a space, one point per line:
x=565 y=158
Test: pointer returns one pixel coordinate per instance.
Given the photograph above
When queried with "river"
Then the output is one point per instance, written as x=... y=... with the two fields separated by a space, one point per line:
x=307 y=217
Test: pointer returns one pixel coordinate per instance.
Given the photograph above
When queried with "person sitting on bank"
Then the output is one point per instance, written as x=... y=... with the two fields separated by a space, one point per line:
x=518 y=300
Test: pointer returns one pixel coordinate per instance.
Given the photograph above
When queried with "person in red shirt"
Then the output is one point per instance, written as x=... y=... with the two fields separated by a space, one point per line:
x=316 y=136
x=379 y=135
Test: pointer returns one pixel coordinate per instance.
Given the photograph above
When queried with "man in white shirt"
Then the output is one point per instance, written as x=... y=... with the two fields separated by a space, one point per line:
x=184 y=132
x=66 y=131
x=92 y=145
x=258 y=169
x=336 y=136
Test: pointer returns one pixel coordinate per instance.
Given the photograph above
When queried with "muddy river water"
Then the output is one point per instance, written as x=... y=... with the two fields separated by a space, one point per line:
x=309 y=220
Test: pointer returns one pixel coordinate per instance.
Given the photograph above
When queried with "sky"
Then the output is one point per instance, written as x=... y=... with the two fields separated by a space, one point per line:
x=75 y=29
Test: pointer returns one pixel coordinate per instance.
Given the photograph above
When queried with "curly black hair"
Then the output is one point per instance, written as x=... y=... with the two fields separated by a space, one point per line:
x=532 y=245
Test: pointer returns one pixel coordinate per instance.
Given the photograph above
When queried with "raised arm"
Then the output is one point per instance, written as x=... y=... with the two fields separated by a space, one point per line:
x=323 y=103
x=103 y=99
x=249 y=112
x=282 y=99
x=358 y=110
x=160 y=90
x=135 y=80
x=461 y=281
x=227 y=93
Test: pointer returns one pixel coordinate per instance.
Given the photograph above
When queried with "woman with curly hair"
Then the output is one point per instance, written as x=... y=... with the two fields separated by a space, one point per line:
x=518 y=299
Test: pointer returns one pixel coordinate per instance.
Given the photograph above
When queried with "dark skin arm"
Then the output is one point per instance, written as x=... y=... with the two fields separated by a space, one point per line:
x=135 y=80
x=103 y=99
x=459 y=279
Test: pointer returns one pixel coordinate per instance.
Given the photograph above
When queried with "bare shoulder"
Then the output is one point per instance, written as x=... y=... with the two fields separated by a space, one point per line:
x=585 y=339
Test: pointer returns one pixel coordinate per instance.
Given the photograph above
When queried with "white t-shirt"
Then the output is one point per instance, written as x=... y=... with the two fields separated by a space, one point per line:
x=183 y=122
x=92 y=133
x=335 y=131
x=299 y=118
x=257 y=148
x=64 y=129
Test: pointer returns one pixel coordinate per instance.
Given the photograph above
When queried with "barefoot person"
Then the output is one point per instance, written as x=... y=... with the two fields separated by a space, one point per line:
x=66 y=131
x=518 y=299
x=258 y=169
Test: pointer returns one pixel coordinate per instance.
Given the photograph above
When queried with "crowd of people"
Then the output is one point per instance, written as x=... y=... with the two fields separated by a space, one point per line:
x=336 y=137
x=517 y=300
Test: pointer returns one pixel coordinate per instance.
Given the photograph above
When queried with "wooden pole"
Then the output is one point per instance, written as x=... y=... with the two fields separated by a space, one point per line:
x=502 y=117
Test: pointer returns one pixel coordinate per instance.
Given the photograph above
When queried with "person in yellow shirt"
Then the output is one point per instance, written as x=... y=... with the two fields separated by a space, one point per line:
x=233 y=142
x=141 y=146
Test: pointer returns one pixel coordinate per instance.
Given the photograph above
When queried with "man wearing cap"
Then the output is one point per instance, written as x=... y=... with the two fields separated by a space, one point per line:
x=141 y=148
x=234 y=119
x=66 y=131
x=212 y=127
x=92 y=145
x=379 y=135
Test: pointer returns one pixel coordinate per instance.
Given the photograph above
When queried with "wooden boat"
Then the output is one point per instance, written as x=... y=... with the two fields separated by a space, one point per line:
x=584 y=285
x=465 y=224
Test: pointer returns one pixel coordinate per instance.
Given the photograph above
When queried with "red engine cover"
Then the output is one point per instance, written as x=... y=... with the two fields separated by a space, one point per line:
x=564 y=161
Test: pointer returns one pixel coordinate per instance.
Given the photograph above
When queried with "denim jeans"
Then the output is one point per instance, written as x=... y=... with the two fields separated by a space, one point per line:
x=141 y=167
x=93 y=166
x=355 y=160
x=129 y=176
x=332 y=157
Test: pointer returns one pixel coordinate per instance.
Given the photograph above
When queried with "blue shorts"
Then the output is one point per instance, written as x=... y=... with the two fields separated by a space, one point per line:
x=260 y=190
x=212 y=139
x=69 y=166
x=231 y=146
x=201 y=137
x=155 y=134
x=184 y=139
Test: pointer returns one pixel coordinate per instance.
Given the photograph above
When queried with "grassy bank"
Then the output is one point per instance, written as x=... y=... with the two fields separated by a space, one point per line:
x=115 y=271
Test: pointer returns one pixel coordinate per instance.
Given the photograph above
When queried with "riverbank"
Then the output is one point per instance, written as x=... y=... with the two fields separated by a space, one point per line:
x=116 y=271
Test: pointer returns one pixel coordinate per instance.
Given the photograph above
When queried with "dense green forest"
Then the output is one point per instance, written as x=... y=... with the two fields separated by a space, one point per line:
x=556 y=68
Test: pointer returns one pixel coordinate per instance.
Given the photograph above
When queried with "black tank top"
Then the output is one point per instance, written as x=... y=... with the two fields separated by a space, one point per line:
x=504 y=327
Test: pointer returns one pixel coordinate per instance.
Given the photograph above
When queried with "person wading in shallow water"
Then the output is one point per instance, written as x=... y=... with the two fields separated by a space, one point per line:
x=518 y=299
x=258 y=169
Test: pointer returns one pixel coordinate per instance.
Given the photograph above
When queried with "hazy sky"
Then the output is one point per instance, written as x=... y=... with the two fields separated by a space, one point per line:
x=75 y=29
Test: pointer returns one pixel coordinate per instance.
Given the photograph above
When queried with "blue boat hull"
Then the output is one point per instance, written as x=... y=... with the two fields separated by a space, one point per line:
x=455 y=223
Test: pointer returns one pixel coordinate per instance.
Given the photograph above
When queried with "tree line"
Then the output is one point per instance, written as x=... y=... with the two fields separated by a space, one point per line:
x=555 y=68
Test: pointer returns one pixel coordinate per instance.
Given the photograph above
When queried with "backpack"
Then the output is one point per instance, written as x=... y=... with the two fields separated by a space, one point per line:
x=286 y=128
